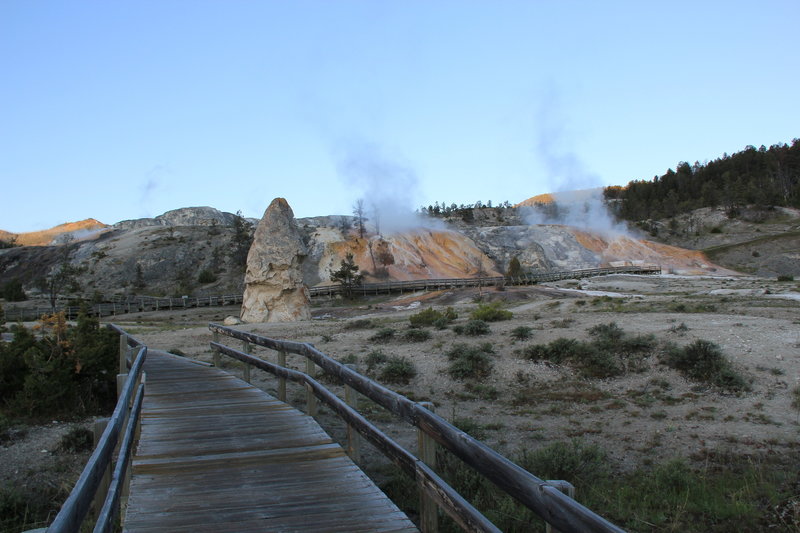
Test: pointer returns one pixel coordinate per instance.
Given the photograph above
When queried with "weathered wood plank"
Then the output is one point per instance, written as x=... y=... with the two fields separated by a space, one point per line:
x=219 y=455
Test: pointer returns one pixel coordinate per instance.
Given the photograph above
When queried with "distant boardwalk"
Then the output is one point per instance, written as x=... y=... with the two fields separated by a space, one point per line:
x=217 y=454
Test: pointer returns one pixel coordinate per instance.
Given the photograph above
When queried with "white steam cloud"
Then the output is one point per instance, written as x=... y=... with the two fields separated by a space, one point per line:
x=583 y=209
x=387 y=187
x=577 y=192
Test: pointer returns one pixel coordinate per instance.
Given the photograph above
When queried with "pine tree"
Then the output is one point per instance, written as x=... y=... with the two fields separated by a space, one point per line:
x=347 y=276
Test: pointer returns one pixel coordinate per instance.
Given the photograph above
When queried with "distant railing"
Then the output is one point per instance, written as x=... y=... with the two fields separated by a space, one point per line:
x=93 y=483
x=122 y=305
x=545 y=498
x=452 y=283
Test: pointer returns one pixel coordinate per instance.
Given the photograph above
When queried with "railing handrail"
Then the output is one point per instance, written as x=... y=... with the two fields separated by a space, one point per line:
x=532 y=277
x=544 y=499
x=77 y=504
x=120 y=305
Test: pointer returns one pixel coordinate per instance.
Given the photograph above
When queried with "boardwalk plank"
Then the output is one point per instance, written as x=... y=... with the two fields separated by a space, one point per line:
x=216 y=454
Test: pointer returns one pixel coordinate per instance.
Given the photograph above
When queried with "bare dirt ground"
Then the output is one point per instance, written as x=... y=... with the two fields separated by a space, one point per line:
x=646 y=416
x=639 y=418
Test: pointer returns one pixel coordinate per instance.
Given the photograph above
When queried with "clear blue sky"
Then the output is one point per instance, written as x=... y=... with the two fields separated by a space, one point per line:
x=118 y=110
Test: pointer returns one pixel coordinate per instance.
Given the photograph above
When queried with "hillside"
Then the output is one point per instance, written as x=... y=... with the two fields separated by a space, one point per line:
x=83 y=229
x=763 y=176
x=763 y=241
x=190 y=251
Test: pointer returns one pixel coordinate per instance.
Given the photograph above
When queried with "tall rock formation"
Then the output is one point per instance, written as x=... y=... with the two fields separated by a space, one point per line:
x=274 y=289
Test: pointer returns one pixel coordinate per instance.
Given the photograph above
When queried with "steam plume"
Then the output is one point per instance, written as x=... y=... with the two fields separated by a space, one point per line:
x=388 y=187
x=577 y=192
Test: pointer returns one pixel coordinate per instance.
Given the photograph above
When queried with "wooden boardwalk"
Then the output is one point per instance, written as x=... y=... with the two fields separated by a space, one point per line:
x=216 y=454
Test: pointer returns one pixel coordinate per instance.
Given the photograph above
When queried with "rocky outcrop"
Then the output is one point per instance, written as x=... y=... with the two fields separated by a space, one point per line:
x=274 y=289
x=185 y=216
x=413 y=254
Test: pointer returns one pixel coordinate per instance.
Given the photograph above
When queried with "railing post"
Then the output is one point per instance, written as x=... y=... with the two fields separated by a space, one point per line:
x=102 y=490
x=246 y=370
x=311 y=400
x=121 y=383
x=123 y=353
x=428 y=519
x=353 y=442
x=215 y=338
x=565 y=487
x=282 y=380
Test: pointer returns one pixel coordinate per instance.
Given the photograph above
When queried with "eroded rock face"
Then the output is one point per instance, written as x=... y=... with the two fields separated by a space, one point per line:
x=274 y=289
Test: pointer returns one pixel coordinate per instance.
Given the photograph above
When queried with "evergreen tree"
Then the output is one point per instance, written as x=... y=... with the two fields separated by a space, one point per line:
x=514 y=268
x=347 y=276
x=241 y=241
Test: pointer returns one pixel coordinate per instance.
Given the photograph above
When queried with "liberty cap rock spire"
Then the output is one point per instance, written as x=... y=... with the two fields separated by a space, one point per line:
x=274 y=289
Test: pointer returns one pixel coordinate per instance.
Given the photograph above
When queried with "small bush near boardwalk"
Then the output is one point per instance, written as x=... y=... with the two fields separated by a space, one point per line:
x=521 y=333
x=611 y=352
x=375 y=358
x=361 y=323
x=383 y=335
x=416 y=335
x=398 y=370
x=61 y=370
x=491 y=313
x=470 y=361
x=77 y=439
x=473 y=328
x=432 y=317
x=703 y=361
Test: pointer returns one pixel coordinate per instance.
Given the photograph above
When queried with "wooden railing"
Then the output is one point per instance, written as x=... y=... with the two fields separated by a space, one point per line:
x=94 y=483
x=122 y=305
x=450 y=283
x=543 y=497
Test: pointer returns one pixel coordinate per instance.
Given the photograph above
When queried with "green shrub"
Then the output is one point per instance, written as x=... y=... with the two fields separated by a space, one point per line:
x=416 y=335
x=383 y=335
x=12 y=291
x=206 y=276
x=611 y=352
x=470 y=361
x=426 y=317
x=471 y=427
x=680 y=329
x=521 y=333
x=375 y=358
x=785 y=278
x=77 y=439
x=484 y=392
x=475 y=328
x=558 y=351
x=432 y=317
x=491 y=312
x=703 y=361
x=361 y=323
x=349 y=359
x=796 y=397
x=580 y=463
x=441 y=323
x=610 y=337
x=398 y=370
x=716 y=229
x=594 y=363
x=64 y=370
